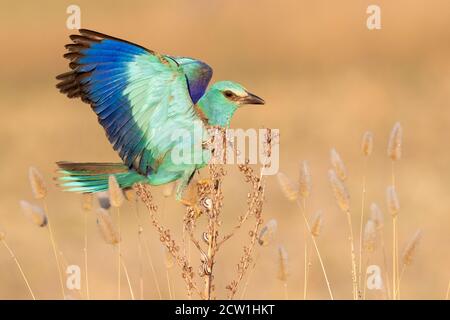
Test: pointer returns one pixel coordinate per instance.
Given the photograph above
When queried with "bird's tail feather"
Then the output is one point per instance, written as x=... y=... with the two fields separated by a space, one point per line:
x=93 y=177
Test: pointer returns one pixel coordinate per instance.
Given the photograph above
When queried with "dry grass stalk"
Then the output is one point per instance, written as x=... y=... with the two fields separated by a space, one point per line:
x=16 y=261
x=165 y=237
x=392 y=201
x=367 y=143
x=283 y=272
x=340 y=191
x=289 y=188
x=34 y=213
x=37 y=183
x=267 y=232
x=376 y=216
x=317 y=223
x=411 y=249
x=338 y=165
x=115 y=192
x=343 y=200
x=106 y=227
x=394 y=150
x=283 y=268
x=304 y=185
x=370 y=236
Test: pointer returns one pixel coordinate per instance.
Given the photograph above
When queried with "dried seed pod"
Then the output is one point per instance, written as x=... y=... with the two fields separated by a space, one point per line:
x=338 y=164
x=103 y=200
x=317 y=223
x=376 y=215
x=340 y=191
x=34 y=213
x=168 y=189
x=37 y=183
x=411 y=248
x=394 y=150
x=392 y=201
x=115 y=192
x=304 y=185
x=86 y=201
x=106 y=227
x=367 y=143
x=283 y=270
x=207 y=203
x=289 y=188
x=370 y=236
x=268 y=232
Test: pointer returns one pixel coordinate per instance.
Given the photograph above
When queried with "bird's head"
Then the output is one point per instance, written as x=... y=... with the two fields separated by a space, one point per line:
x=223 y=99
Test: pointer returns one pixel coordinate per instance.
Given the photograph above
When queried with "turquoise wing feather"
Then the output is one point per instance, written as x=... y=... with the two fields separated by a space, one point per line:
x=140 y=97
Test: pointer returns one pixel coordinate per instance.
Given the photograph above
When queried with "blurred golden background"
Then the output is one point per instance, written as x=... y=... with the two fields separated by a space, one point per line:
x=326 y=79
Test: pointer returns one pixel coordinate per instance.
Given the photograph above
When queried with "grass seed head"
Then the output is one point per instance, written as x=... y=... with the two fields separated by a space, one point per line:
x=317 y=223
x=129 y=194
x=395 y=142
x=370 y=236
x=340 y=191
x=34 y=213
x=115 y=192
x=283 y=271
x=106 y=227
x=268 y=232
x=103 y=199
x=304 y=185
x=37 y=183
x=289 y=188
x=376 y=216
x=392 y=201
x=338 y=165
x=411 y=248
x=367 y=143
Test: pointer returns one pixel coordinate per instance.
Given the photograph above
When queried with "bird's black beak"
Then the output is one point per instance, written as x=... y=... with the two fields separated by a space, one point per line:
x=252 y=99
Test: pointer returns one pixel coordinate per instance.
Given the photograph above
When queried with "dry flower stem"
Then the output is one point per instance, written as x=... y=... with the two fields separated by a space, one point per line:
x=361 y=224
x=352 y=251
x=53 y=243
x=16 y=261
x=318 y=255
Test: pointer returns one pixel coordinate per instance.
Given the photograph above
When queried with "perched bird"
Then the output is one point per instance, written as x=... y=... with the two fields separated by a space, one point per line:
x=141 y=97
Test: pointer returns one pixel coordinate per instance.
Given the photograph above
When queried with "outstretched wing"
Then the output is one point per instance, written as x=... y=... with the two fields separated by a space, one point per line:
x=139 y=96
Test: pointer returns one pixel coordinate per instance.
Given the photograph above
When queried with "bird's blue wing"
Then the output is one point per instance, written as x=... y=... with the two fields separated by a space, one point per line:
x=139 y=96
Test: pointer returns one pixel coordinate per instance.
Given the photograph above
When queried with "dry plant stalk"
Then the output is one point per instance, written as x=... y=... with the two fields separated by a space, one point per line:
x=106 y=227
x=116 y=199
x=408 y=256
x=16 y=261
x=283 y=270
x=343 y=200
x=289 y=188
x=37 y=183
x=394 y=150
x=370 y=236
x=394 y=207
x=317 y=223
x=304 y=188
x=366 y=149
x=338 y=165
x=34 y=213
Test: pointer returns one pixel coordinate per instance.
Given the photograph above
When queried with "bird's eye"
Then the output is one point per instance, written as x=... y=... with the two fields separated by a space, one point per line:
x=228 y=94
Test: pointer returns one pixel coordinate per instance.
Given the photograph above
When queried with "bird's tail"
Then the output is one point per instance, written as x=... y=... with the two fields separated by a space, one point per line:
x=93 y=177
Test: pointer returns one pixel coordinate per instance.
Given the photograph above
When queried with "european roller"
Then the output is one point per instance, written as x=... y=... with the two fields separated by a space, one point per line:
x=141 y=98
